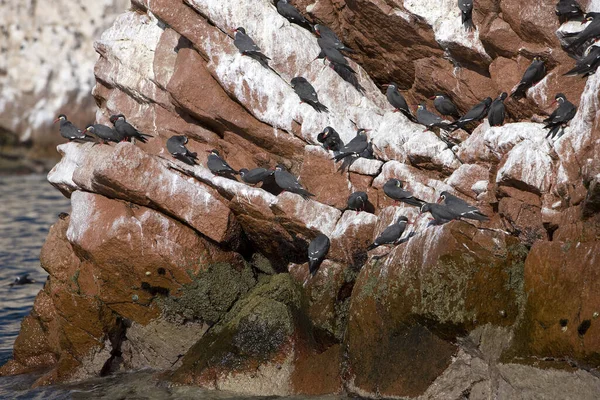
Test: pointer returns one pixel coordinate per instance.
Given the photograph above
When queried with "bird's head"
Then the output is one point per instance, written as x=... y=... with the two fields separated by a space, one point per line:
x=243 y=171
x=559 y=98
x=401 y=219
x=89 y=128
x=327 y=131
x=61 y=117
x=297 y=80
x=183 y=139
x=240 y=29
x=487 y=101
x=437 y=96
x=214 y=152
x=425 y=208
x=279 y=167
x=317 y=29
x=443 y=196
x=503 y=96
x=390 y=85
x=421 y=107
x=362 y=131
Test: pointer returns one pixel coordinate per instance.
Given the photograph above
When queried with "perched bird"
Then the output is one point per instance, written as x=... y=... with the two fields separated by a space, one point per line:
x=461 y=207
x=533 y=74
x=466 y=12
x=317 y=250
x=330 y=139
x=127 y=130
x=440 y=213
x=176 y=146
x=391 y=234
x=325 y=33
x=332 y=54
x=592 y=31
x=477 y=113
x=255 y=175
x=105 y=133
x=445 y=106
x=567 y=10
x=588 y=65
x=348 y=76
x=354 y=147
x=429 y=119
x=394 y=190
x=397 y=101
x=22 y=280
x=560 y=117
x=307 y=93
x=247 y=47
x=217 y=165
x=357 y=201
x=292 y=14
x=70 y=131
x=288 y=182
x=497 y=111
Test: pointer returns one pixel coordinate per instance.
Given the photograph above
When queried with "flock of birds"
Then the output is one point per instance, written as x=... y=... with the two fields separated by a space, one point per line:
x=448 y=207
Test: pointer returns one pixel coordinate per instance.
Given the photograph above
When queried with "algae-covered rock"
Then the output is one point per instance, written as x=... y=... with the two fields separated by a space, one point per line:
x=211 y=294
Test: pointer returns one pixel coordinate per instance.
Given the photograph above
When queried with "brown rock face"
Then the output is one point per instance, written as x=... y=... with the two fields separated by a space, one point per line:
x=156 y=248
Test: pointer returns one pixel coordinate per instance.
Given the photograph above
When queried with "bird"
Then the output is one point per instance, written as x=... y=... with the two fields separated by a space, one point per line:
x=70 y=131
x=127 y=130
x=326 y=33
x=354 y=147
x=22 y=280
x=105 y=133
x=477 y=113
x=288 y=182
x=217 y=165
x=330 y=139
x=587 y=65
x=466 y=12
x=307 y=93
x=393 y=188
x=461 y=207
x=445 y=106
x=533 y=74
x=497 y=110
x=247 y=47
x=317 y=250
x=391 y=234
x=567 y=10
x=333 y=55
x=255 y=175
x=429 y=119
x=176 y=146
x=397 y=101
x=440 y=213
x=292 y=14
x=560 y=117
x=357 y=201
x=348 y=76
x=591 y=31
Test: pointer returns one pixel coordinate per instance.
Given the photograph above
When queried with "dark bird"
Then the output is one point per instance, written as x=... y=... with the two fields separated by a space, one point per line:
x=288 y=182
x=127 y=130
x=357 y=201
x=391 y=234
x=332 y=54
x=429 y=119
x=445 y=106
x=497 y=111
x=567 y=10
x=307 y=93
x=587 y=65
x=440 y=213
x=330 y=139
x=217 y=165
x=461 y=207
x=292 y=14
x=105 y=133
x=592 y=31
x=255 y=175
x=247 y=47
x=466 y=12
x=348 y=76
x=22 y=280
x=477 y=113
x=559 y=119
x=397 y=101
x=533 y=74
x=176 y=146
x=393 y=188
x=70 y=131
x=354 y=147
x=325 y=33
x=317 y=250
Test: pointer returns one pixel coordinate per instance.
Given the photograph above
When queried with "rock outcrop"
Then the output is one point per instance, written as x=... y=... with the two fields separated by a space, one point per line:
x=502 y=309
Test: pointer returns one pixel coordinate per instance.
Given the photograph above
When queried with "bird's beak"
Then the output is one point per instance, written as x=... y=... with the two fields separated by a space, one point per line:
x=439 y=200
x=553 y=103
x=208 y=151
x=432 y=98
x=56 y=120
x=234 y=30
x=386 y=85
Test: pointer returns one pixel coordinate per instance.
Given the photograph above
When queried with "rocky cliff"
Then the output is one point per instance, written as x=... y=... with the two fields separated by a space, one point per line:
x=165 y=265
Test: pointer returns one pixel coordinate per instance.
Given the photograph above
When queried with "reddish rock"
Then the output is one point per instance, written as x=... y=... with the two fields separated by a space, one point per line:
x=324 y=178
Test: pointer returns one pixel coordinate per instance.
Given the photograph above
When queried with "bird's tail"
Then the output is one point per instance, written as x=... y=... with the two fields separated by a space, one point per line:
x=519 y=92
x=192 y=155
x=341 y=156
x=413 y=201
x=575 y=71
x=306 y=195
x=553 y=131
x=467 y=21
x=476 y=215
x=320 y=107
x=347 y=49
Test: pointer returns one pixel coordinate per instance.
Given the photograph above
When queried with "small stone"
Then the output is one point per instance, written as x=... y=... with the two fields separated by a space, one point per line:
x=148 y=273
x=595 y=315
x=503 y=313
x=135 y=297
